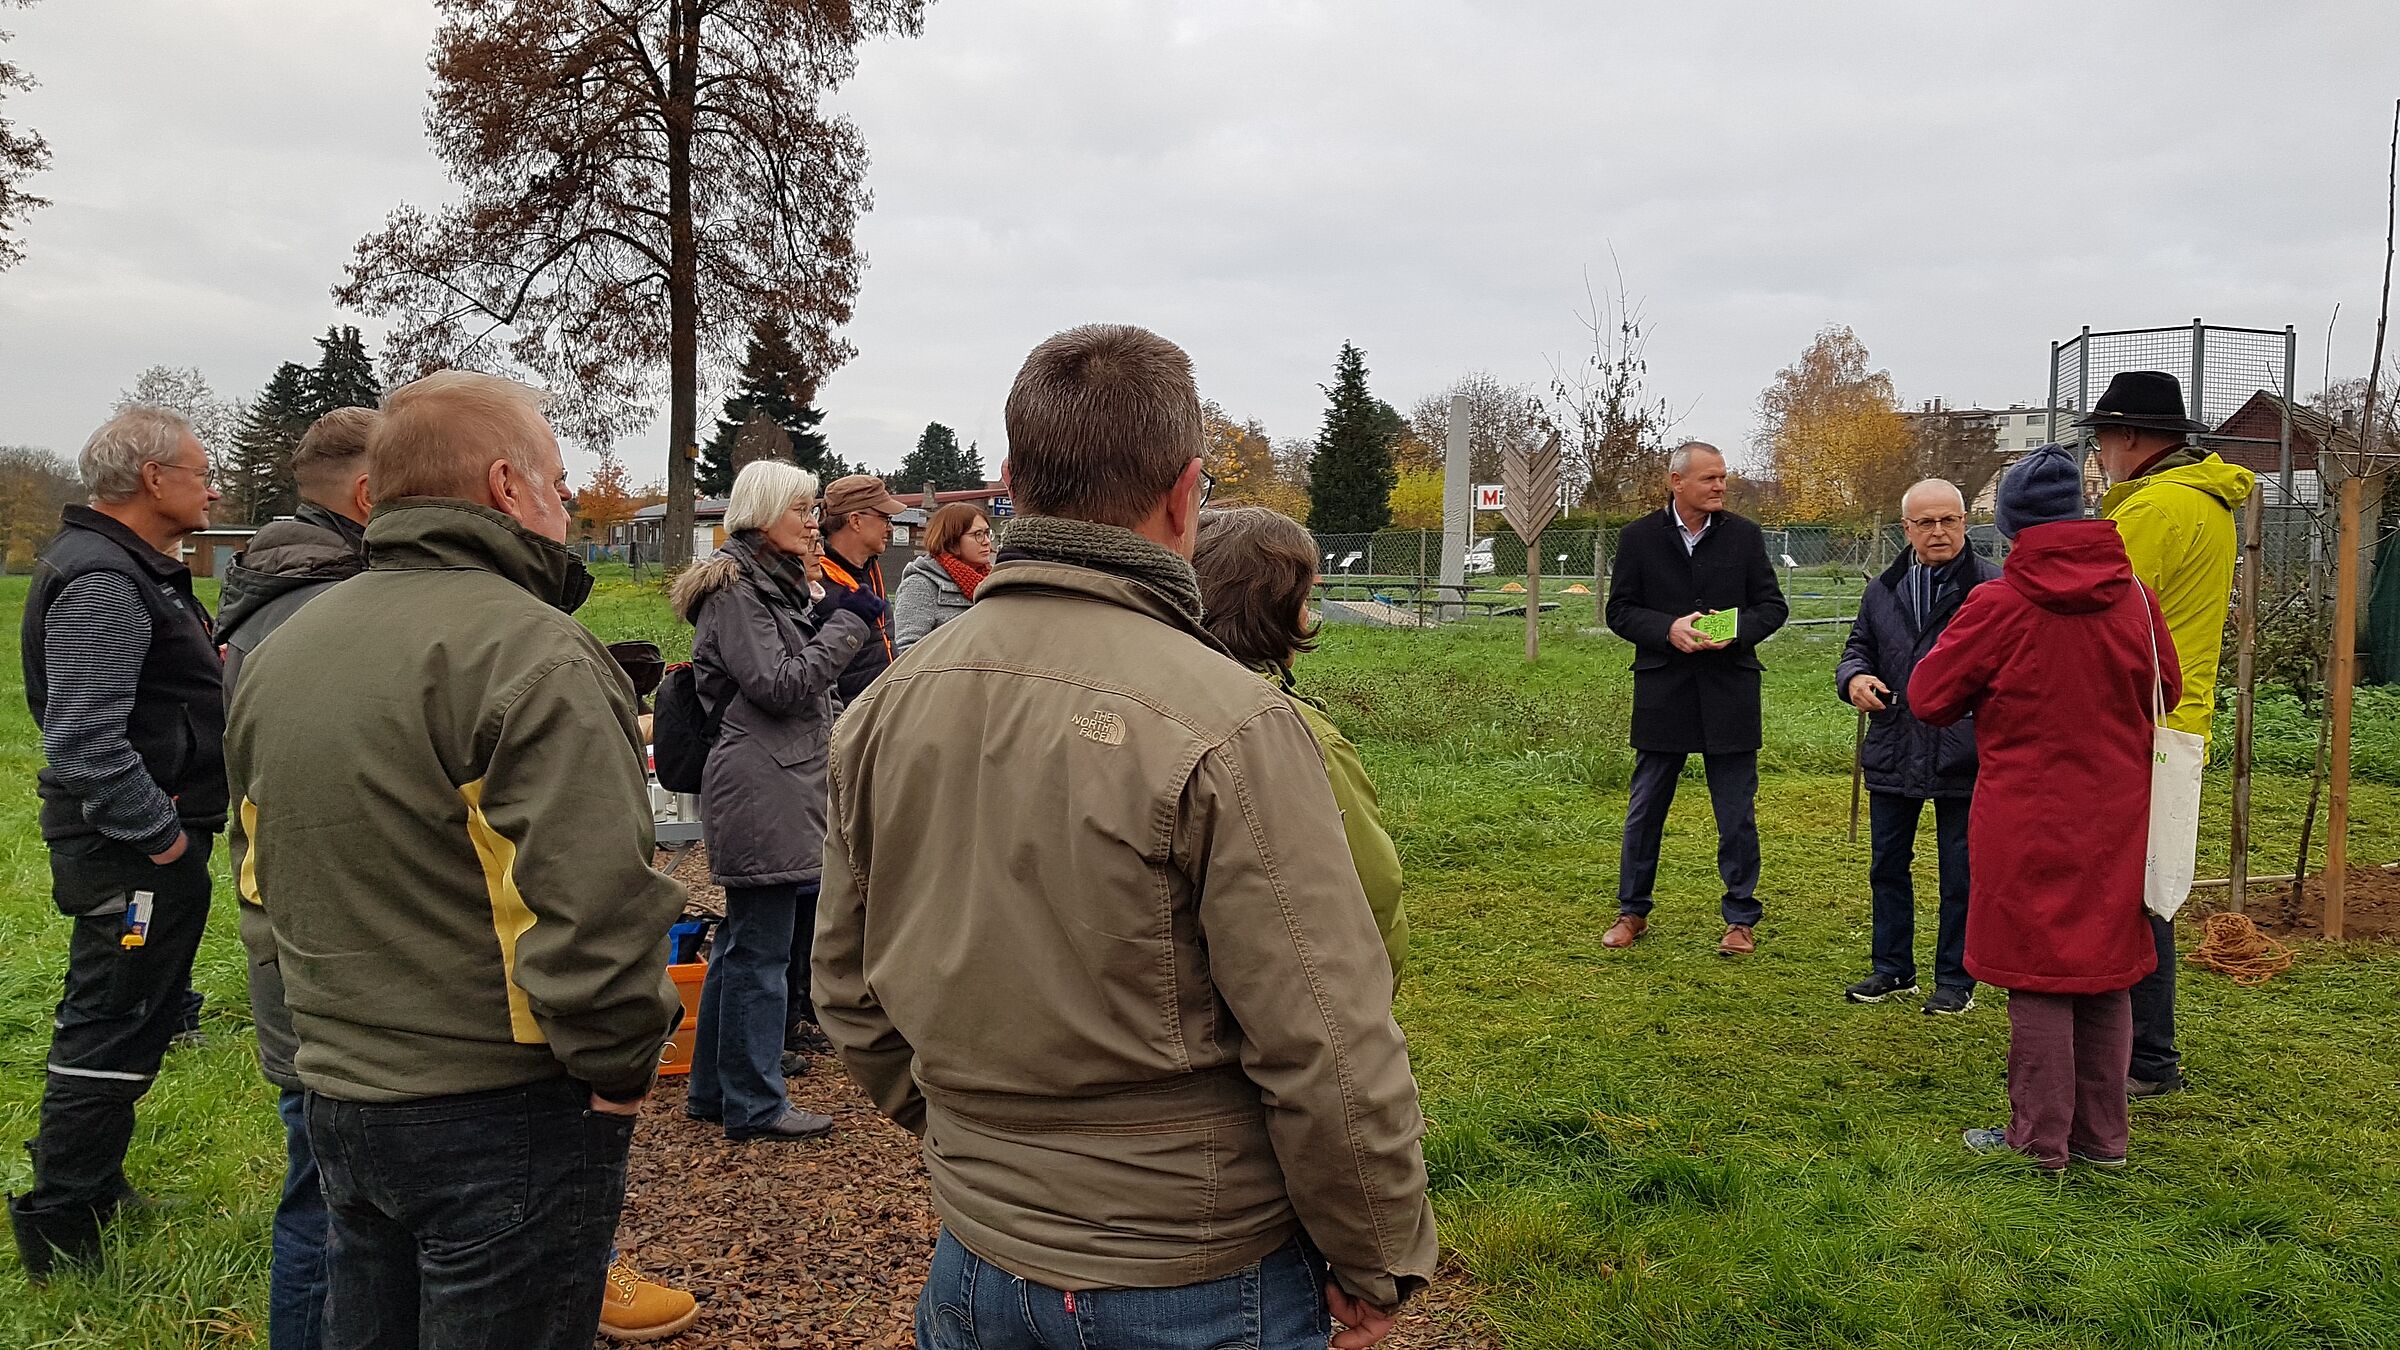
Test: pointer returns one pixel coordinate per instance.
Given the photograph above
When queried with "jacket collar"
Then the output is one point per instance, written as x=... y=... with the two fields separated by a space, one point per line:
x=347 y=530
x=77 y=516
x=1041 y=576
x=445 y=534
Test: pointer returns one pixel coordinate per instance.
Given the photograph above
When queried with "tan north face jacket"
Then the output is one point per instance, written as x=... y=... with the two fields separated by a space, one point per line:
x=1090 y=927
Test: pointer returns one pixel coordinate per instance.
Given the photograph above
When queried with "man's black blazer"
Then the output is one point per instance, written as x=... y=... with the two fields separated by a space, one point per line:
x=1694 y=702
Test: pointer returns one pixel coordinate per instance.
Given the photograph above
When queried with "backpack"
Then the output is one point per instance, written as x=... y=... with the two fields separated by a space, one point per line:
x=682 y=730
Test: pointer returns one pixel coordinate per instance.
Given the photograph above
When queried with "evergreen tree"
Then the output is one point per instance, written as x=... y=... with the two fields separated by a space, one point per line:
x=345 y=375
x=258 y=484
x=1350 y=478
x=938 y=460
x=773 y=380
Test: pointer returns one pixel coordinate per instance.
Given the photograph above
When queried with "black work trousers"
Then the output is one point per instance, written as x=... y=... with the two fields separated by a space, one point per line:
x=119 y=1009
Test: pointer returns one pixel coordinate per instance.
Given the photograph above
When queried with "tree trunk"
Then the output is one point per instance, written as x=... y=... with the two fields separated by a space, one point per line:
x=683 y=286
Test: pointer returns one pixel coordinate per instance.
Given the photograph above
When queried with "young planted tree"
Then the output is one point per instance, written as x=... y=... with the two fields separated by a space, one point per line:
x=23 y=153
x=1351 y=476
x=939 y=460
x=1612 y=434
x=1833 y=431
x=772 y=382
x=640 y=183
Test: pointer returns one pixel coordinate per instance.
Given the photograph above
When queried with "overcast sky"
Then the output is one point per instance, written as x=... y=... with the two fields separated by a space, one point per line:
x=1961 y=183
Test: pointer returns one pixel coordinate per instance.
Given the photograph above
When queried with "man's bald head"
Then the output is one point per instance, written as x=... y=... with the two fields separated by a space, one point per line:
x=1933 y=512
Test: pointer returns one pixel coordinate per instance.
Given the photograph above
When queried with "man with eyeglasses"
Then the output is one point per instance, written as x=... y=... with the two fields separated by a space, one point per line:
x=1906 y=762
x=856 y=525
x=122 y=675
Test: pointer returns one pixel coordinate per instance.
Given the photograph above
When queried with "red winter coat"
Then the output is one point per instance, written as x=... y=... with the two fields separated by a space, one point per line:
x=2054 y=660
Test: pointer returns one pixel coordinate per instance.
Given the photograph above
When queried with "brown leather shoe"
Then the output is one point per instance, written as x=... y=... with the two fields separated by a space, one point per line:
x=1624 y=931
x=1738 y=941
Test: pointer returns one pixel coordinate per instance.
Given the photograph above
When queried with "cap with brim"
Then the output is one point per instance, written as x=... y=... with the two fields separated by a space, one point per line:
x=861 y=492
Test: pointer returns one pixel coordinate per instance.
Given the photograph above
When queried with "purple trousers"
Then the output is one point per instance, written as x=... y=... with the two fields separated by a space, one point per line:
x=2067 y=1057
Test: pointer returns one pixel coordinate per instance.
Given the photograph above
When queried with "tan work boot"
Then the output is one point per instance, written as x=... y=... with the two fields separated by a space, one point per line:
x=1624 y=931
x=635 y=1309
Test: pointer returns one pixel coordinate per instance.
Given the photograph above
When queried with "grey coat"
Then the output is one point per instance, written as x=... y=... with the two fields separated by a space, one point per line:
x=928 y=598
x=771 y=669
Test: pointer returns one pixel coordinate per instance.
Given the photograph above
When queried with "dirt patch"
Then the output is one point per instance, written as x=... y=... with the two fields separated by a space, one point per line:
x=821 y=1245
x=2370 y=907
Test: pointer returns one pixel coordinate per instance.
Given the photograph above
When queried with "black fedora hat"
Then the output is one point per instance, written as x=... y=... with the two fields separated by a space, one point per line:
x=2149 y=400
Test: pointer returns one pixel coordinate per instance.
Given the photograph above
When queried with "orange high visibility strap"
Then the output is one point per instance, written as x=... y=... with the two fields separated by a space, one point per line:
x=841 y=577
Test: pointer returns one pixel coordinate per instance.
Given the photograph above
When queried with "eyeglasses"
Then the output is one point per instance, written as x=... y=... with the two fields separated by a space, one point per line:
x=205 y=475
x=982 y=532
x=1208 y=486
x=1936 y=522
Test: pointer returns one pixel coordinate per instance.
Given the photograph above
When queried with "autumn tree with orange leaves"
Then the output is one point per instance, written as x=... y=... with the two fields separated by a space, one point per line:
x=1832 y=429
x=640 y=180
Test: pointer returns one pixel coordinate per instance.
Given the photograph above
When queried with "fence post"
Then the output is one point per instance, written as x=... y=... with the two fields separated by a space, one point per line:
x=2199 y=371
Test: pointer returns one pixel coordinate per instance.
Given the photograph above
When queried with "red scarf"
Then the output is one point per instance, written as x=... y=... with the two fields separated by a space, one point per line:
x=966 y=574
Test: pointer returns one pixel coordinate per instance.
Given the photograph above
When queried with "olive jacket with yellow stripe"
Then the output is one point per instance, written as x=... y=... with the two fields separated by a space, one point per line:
x=440 y=807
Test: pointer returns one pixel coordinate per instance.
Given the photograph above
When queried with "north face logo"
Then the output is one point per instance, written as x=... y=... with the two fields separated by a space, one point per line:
x=1104 y=727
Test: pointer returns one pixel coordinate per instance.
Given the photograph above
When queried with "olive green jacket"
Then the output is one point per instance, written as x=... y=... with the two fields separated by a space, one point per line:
x=1371 y=848
x=440 y=808
x=1089 y=927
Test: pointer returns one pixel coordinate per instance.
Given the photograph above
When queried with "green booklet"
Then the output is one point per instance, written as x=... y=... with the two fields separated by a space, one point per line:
x=1718 y=627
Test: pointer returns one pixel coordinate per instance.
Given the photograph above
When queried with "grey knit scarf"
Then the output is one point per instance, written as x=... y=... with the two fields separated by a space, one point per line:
x=1107 y=548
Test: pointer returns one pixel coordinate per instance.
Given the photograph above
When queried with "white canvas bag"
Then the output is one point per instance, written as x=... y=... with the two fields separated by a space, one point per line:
x=2176 y=761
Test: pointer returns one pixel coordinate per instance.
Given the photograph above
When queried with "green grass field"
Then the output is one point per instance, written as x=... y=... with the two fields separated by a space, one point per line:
x=1647 y=1148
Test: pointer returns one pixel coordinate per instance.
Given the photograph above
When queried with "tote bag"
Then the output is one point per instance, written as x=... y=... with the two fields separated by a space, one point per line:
x=2176 y=761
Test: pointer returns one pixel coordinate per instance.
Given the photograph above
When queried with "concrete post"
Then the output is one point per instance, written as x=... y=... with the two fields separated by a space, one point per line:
x=1458 y=516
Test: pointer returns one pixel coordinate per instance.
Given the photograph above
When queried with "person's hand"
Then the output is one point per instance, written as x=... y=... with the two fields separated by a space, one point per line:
x=1363 y=1324
x=1864 y=690
x=1689 y=639
x=174 y=850
x=608 y=1108
x=861 y=602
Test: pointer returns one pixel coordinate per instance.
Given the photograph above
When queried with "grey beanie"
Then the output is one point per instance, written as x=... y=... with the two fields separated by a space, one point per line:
x=2044 y=487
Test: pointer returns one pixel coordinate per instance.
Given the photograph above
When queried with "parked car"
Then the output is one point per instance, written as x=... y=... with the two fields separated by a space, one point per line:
x=1479 y=558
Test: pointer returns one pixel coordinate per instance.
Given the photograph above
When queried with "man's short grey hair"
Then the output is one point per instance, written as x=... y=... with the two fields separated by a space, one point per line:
x=765 y=489
x=1680 y=459
x=112 y=459
x=1923 y=485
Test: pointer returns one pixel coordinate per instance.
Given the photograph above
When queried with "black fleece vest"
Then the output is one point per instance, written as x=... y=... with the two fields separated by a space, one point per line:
x=178 y=721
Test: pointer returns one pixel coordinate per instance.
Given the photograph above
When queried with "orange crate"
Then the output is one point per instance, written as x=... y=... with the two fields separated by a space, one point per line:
x=676 y=1058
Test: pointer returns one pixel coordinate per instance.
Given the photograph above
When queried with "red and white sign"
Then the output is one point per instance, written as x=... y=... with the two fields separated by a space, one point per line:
x=1490 y=497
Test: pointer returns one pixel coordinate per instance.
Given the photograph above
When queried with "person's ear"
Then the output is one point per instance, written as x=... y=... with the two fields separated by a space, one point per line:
x=1183 y=503
x=361 y=500
x=500 y=485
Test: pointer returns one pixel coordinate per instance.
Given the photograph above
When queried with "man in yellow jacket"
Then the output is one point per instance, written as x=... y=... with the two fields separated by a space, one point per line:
x=2173 y=502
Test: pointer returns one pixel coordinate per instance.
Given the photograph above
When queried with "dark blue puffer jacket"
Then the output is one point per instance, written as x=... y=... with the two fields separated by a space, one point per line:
x=1903 y=755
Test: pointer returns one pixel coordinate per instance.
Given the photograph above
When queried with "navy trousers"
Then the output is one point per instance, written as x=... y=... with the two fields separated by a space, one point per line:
x=1892 y=828
x=1732 y=791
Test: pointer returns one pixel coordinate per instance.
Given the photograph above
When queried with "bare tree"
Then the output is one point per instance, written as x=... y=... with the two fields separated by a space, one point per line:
x=1613 y=434
x=1945 y=443
x=186 y=390
x=643 y=180
x=1499 y=415
x=34 y=486
x=23 y=153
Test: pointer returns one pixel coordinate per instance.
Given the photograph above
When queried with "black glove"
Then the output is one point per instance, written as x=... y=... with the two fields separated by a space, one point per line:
x=861 y=602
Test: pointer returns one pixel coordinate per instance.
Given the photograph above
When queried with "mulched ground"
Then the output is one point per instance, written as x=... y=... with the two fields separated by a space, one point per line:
x=824 y=1244
x=2370 y=907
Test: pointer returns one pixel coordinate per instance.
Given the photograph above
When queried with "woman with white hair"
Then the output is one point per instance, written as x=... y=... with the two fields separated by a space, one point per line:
x=765 y=658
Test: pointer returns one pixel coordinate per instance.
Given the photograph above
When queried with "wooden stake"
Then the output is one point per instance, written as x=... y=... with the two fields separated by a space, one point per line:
x=2246 y=680
x=1533 y=600
x=1858 y=770
x=2345 y=674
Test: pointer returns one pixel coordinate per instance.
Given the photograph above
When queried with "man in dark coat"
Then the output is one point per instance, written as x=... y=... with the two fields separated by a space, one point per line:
x=1906 y=762
x=1692 y=693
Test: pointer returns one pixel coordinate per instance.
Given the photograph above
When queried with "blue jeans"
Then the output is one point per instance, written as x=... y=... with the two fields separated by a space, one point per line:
x=737 y=1056
x=296 y=1277
x=1278 y=1303
x=1732 y=793
x=1892 y=828
x=476 y=1222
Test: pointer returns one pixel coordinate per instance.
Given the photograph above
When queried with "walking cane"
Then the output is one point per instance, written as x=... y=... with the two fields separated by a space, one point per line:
x=1858 y=768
